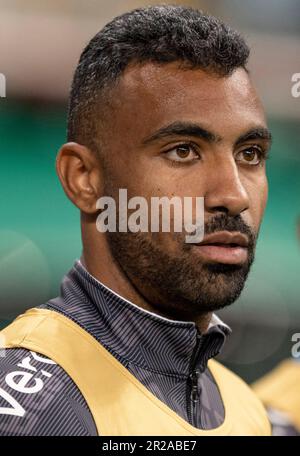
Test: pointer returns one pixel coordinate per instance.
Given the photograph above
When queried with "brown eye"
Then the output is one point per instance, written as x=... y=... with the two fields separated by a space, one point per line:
x=251 y=156
x=182 y=153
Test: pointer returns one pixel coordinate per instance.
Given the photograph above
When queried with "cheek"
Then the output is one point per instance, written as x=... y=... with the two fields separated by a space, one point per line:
x=263 y=194
x=259 y=196
x=266 y=191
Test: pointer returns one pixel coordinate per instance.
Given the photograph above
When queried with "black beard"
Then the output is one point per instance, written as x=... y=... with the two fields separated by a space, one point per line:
x=181 y=285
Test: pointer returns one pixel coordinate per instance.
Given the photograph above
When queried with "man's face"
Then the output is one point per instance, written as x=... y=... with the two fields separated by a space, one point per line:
x=216 y=151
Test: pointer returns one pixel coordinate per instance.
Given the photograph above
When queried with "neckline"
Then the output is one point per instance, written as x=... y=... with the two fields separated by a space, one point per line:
x=223 y=429
x=124 y=329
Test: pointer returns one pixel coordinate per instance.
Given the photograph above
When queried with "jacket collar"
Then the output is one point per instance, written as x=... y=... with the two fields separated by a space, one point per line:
x=133 y=334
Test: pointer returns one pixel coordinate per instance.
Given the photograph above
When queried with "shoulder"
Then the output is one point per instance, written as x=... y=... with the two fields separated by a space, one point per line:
x=37 y=397
x=242 y=397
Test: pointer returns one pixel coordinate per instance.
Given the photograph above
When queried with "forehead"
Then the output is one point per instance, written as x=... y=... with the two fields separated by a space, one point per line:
x=151 y=95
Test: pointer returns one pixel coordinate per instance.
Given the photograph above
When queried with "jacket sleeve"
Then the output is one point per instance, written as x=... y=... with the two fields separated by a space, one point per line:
x=38 y=398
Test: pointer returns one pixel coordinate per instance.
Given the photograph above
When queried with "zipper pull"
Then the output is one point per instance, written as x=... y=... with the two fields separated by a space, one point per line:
x=194 y=378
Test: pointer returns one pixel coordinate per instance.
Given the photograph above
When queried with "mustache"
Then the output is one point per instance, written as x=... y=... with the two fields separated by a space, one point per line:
x=224 y=222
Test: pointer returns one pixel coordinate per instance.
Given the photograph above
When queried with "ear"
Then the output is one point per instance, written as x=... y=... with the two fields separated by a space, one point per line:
x=79 y=171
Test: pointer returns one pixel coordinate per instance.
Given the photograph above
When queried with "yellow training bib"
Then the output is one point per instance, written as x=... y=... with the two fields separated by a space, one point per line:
x=119 y=403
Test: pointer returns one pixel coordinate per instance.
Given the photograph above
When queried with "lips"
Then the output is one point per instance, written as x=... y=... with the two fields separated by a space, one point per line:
x=226 y=237
x=224 y=247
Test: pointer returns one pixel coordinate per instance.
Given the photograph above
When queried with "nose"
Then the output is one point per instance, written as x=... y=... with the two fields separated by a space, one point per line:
x=225 y=190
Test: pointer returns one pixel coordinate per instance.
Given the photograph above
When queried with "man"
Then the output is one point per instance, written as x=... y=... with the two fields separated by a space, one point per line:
x=161 y=105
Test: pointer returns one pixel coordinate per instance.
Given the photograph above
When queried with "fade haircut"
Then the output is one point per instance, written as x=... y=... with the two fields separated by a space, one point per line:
x=161 y=34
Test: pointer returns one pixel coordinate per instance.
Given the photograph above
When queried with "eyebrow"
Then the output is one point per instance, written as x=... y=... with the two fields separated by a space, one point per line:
x=254 y=134
x=196 y=130
x=182 y=129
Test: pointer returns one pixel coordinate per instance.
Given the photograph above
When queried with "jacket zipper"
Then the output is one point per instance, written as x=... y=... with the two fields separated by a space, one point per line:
x=193 y=393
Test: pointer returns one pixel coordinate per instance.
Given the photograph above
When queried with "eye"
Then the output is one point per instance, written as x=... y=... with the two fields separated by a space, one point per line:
x=182 y=153
x=253 y=156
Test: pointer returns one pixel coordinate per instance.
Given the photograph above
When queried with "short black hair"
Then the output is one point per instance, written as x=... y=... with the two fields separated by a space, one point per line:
x=162 y=34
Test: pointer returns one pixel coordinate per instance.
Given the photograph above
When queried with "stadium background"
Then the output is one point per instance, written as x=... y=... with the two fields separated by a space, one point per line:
x=40 y=43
